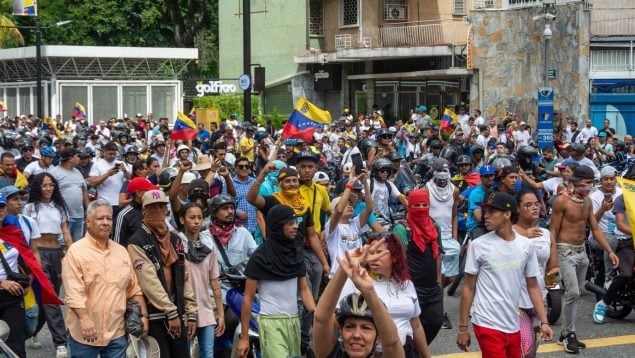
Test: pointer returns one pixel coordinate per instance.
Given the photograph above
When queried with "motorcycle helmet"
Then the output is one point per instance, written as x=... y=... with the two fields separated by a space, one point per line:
x=10 y=139
x=501 y=162
x=355 y=306
x=379 y=164
x=477 y=148
x=85 y=152
x=365 y=146
x=449 y=153
x=219 y=201
x=619 y=146
x=132 y=150
x=383 y=131
x=435 y=144
x=393 y=156
x=166 y=177
x=525 y=153
x=464 y=159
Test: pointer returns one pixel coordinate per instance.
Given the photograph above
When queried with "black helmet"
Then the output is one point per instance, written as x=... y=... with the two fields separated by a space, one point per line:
x=353 y=305
x=220 y=200
x=477 y=147
x=85 y=152
x=392 y=156
x=307 y=154
x=525 y=153
x=166 y=177
x=464 y=159
x=10 y=139
x=435 y=143
x=449 y=153
x=620 y=146
x=132 y=150
x=365 y=145
x=383 y=131
x=381 y=163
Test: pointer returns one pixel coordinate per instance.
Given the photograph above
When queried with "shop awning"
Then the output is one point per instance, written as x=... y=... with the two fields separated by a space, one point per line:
x=450 y=72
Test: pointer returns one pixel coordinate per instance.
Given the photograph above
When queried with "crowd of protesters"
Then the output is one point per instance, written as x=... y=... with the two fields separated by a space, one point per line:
x=360 y=223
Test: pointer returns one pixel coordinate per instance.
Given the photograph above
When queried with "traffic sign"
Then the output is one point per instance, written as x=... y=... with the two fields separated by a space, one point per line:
x=244 y=82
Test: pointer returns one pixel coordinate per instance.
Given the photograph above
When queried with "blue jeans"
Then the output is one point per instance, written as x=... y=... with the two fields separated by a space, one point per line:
x=313 y=278
x=115 y=349
x=206 y=338
x=76 y=227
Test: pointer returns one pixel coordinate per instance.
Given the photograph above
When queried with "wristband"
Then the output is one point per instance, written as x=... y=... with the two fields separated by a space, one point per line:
x=543 y=323
x=349 y=186
x=610 y=252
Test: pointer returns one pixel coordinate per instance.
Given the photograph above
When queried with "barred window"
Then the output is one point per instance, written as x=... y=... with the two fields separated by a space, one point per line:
x=349 y=12
x=395 y=10
x=458 y=7
x=316 y=17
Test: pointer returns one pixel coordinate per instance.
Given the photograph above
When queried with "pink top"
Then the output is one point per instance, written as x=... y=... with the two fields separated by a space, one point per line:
x=200 y=274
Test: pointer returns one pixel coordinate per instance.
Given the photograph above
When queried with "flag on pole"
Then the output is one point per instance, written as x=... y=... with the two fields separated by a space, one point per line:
x=47 y=123
x=79 y=111
x=184 y=128
x=25 y=7
x=304 y=119
x=448 y=118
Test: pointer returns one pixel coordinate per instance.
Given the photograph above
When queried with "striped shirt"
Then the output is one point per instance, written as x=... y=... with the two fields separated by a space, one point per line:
x=241 y=202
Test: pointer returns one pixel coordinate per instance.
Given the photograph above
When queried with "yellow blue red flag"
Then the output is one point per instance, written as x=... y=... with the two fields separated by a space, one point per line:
x=448 y=118
x=304 y=119
x=79 y=111
x=47 y=123
x=25 y=7
x=184 y=128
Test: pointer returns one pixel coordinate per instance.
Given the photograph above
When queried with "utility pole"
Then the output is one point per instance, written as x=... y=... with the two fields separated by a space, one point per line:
x=247 y=57
x=38 y=66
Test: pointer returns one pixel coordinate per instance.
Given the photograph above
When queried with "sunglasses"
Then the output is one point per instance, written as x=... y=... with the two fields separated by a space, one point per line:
x=386 y=136
x=384 y=170
x=242 y=166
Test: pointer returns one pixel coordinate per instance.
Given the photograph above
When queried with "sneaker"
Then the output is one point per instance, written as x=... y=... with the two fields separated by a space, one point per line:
x=34 y=343
x=600 y=312
x=570 y=342
x=445 y=323
x=62 y=352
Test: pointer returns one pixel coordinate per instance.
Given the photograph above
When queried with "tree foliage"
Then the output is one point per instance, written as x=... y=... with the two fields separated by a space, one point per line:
x=136 y=23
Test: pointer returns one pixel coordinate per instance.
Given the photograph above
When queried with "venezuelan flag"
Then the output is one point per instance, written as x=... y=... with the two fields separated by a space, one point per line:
x=448 y=118
x=47 y=123
x=79 y=111
x=304 y=119
x=184 y=128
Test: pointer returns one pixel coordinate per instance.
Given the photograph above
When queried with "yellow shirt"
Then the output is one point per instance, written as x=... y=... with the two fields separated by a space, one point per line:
x=322 y=202
x=99 y=281
x=247 y=142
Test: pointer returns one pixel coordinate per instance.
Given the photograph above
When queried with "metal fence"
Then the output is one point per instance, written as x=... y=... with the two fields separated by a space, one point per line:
x=611 y=60
x=422 y=33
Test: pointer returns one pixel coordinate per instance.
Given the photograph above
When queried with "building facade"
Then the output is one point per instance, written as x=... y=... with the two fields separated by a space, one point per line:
x=107 y=81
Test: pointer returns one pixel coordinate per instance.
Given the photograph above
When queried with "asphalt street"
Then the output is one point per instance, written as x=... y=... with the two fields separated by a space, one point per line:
x=614 y=339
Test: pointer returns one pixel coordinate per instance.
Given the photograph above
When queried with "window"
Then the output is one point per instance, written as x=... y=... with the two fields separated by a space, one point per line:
x=12 y=102
x=135 y=100
x=316 y=17
x=71 y=95
x=458 y=7
x=395 y=10
x=349 y=12
x=104 y=102
x=25 y=100
x=163 y=102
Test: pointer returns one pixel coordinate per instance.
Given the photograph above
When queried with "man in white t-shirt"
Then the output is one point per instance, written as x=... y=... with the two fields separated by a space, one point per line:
x=479 y=120
x=588 y=132
x=522 y=136
x=495 y=265
x=107 y=174
x=342 y=231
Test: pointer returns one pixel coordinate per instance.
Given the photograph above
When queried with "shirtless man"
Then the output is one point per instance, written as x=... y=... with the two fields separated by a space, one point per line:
x=572 y=212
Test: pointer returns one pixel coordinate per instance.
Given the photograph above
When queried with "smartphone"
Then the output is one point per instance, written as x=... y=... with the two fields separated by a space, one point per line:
x=357 y=163
x=118 y=165
x=608 y=197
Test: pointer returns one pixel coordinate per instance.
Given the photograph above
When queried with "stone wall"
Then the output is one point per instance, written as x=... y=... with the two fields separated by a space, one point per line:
x=509 y=59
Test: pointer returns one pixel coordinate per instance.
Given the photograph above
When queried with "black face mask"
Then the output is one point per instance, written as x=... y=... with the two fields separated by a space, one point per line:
x=196 y=251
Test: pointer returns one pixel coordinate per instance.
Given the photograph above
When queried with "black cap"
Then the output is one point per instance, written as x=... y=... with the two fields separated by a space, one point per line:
x=68 y=153
x=110 y=146
x=582 y=172
x=501 y=201
x=307 y=154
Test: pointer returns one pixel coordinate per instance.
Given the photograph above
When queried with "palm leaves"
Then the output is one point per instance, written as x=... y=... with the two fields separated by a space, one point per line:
x=8 y=30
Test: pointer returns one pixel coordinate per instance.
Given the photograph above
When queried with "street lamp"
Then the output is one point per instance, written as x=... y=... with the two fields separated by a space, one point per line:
x=547 y=34
x=38 y=56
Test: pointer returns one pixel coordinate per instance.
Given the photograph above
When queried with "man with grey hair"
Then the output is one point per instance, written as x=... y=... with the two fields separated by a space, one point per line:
x=97 y=270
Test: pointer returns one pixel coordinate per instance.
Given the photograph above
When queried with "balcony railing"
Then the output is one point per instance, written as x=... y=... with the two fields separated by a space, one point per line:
x=611 y=60
x=423 y=33
x=345 y=41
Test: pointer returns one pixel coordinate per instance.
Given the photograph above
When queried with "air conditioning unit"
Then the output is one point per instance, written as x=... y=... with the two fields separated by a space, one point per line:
x=396 y=13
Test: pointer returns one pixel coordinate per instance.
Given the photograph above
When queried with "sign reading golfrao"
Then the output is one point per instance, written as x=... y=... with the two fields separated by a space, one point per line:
x=214 y=87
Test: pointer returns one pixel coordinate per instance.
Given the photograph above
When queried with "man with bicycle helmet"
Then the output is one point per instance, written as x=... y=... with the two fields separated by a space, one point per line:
x=382 y=190
x=44 y=164
x=362 y=318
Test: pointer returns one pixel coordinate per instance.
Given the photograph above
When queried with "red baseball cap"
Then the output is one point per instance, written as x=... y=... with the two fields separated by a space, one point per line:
x=140 y=183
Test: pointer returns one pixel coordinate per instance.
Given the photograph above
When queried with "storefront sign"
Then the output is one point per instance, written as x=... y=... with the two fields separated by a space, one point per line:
x=327 y=77
x=517 y=4
x=545 y=117
x=214 y=87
